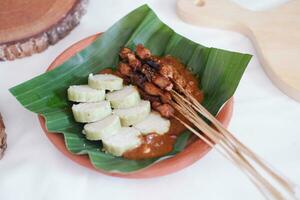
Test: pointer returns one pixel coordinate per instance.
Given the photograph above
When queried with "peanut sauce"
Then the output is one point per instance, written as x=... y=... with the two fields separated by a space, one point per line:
x=155 y=145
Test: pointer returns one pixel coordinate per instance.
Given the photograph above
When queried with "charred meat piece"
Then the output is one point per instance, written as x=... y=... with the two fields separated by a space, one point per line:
x=166 y=97
x=159 y=80
x=133 y=61
x=162 y=82
x=126 y=80
x=148 y=72
x=124 y=69
x=155 y=104
x=155 y=65
x=154 y=76
x=151 y=89
x=124 y=53
x=137 y=78
x=153 y=62
x=166 y=110
x=142 y=52
x=148 y=97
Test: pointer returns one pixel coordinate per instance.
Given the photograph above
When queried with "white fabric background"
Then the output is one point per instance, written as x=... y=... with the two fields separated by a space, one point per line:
x=264 y=119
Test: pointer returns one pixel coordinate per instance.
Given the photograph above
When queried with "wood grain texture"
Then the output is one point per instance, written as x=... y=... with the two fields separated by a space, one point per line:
x=3 y=144
x=275 y=34
x=30 y=26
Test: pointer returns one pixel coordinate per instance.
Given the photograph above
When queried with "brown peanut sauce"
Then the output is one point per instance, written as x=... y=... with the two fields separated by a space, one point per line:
x=155 y=145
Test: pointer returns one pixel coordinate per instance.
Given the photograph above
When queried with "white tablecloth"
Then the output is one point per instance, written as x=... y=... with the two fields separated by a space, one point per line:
x=264 y=119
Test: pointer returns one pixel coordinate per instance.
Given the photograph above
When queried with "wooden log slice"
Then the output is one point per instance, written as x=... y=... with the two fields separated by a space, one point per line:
x=2 y=137
x=30 y=26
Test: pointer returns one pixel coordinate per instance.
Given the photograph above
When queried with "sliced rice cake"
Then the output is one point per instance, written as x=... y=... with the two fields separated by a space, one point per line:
x=135 y=114
x=91 y=112
x=153 y=123
x=124 y=98
x=84 y=93
x=125 y=139
x=103 y=128
x=105 y=82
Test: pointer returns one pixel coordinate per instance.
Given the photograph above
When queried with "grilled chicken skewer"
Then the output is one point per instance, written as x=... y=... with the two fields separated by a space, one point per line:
x=153 y=78
x=157 y=75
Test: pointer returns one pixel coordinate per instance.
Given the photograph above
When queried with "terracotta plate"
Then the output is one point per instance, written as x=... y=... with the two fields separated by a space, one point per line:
x=183 y=159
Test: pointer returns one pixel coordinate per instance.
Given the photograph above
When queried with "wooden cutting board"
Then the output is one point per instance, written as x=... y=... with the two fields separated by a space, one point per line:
x=30 y=26
x=275 y=34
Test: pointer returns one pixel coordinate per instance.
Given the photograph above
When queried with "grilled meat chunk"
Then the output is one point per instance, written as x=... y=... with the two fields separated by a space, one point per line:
x=148 y=72
x=142 y=52
x=137 y=78
x=148 y=97
x=151 y=89
x=154 y=77
x=124 y=53
x=166 y=97
x=153 y=62
x=124 y=69
x=155 y=104
x=166 y=110
x=133 y=61
x=162 y=82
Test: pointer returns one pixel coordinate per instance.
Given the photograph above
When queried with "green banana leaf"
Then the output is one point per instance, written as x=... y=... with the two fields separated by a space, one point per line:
x=219 y=72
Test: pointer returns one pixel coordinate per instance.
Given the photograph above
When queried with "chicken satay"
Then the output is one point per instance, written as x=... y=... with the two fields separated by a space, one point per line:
x=124 y=53
x=151 y=89
x=138 y=79
x=147 y=71
x=153 y=62
x=146 y=88
x=166 y=110
x=166 y=97
x=128 y=56
x=148 y=97
x=156 y=104
x=124 y=69
x=133 y=61
x=145 y=54
x=154 y=77
x=162 y=82
x=142 y=52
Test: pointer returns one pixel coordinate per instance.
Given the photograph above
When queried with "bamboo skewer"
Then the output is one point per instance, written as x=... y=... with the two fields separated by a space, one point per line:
x=289 y=186
x=222 y=153
x=238 y=161
x=231 y=148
